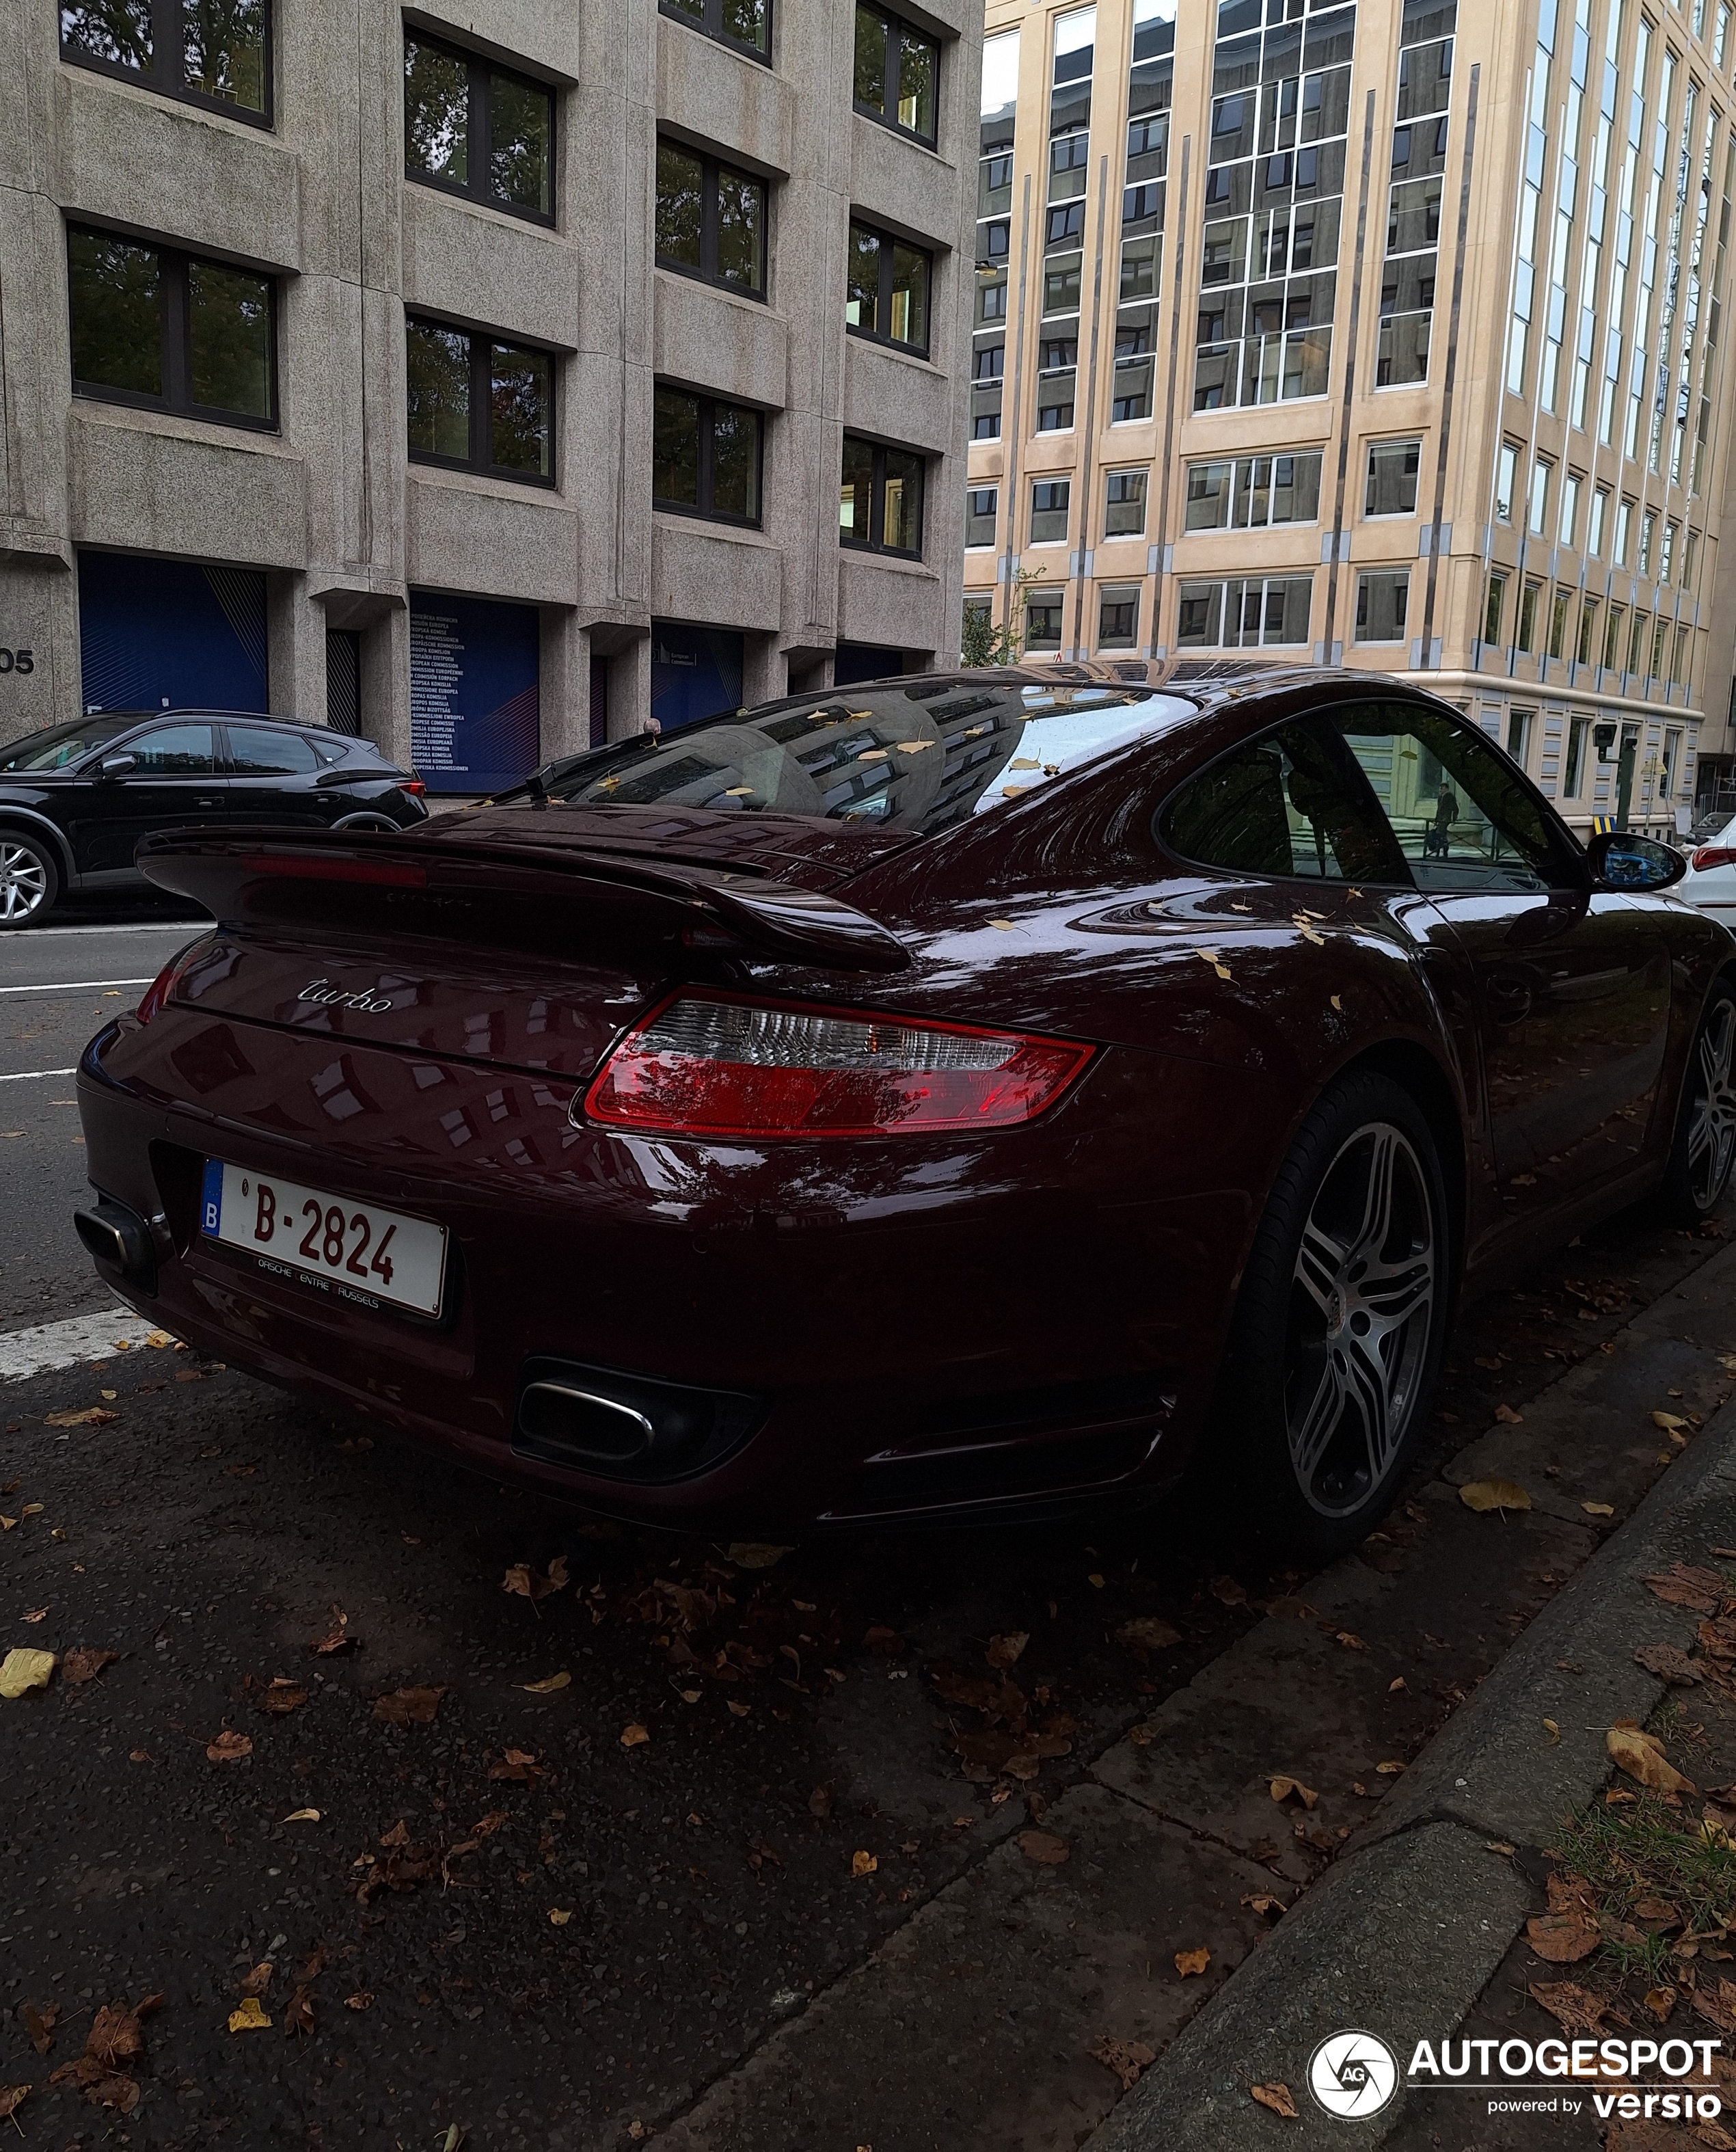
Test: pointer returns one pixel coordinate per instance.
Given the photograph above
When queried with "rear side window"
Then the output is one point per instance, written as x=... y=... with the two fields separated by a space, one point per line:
x=257 y=751
x=1292 y=805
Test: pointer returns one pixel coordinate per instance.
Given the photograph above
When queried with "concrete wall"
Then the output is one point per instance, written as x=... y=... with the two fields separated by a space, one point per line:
x=329 y=504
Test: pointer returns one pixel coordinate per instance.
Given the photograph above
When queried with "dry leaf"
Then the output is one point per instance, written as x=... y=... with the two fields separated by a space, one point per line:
x=298 y=2013
x=363 y=1999
x=21 y=1669
x=1389 y=1770
x=1598 y=1509
x=1277 y=2097
x=1494 y=1494
x=753 y=1554
x=562 y=1680
x=1682 y=1585
x=1126 y=2059
x=559 y=1916
x=1578 y=2009
x=282 y=1696
x=1670 y=1662
x=36 y=1614
x=529 y=1583
x=1561 y=1938
x=519 y=1766
x=1284 y=1788
x=337 y=1639
x=1006 y=1649
x=1641 y=1756
x=1350 y=1641
x=229 y=1748
x=302 y=1815
x=635 y=1736
x=1190 y=1961
x=1506 y=1414
x=257 y=1982
x=1147 y=1632
x=1263 y=1901
x=92 y=1416
x=863 y=1864
x=1669 y=1422
x=12 y=2099
x=1044 y=1847
x=1228 y=1592
x=84 y=1665
x=40 y=2025
x=408 y=1707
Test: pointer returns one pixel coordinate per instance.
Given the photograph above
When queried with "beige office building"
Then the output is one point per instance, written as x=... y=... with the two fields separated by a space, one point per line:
x=1390 y=334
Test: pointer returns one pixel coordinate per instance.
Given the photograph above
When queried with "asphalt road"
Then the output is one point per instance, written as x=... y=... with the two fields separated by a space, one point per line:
x=58 y=986
x=520 y=1919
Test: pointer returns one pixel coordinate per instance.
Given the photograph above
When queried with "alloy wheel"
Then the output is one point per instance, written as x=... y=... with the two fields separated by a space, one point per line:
x=1712 y=1115
x=1362 y=1305
x=23 y=883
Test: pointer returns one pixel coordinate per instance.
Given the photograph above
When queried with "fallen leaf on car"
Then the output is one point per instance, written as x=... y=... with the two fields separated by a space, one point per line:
x=529 y=1582
x=635 y=1736
x=1190 y=1961
x=756 y=1554
x=1598 y=1509
x=1486 y=1495
x=1283 y=1788
x=1126 y=2059
x=863 y=1864
x=1006 y=1649
x=229 y=1748
x=1212 y=957
x=91 y=1416
x=1147 y=1632
x=84 y=1664
x=1561 y=1938
x=559 y=1916
x=1044 y=1847
x=21 y=1670
x=912 y=747
x=1670 y=1662
x=1005 y=925
x=1641 y=1755
x=1300 y=923
x=302 y=1815
x=408 y=1707
x=562 y=1680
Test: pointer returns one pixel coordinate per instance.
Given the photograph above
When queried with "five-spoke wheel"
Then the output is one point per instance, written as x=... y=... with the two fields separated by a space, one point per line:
x=29 y=881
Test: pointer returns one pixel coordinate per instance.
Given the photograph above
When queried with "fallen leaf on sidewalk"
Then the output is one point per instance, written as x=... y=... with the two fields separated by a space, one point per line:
x=91 y=1416
x=1598 y=1509
x=36 y=1614
x=302 y=1815
x=519 y=1766
x=562 y=1680
x=1005 y=1650
x=1044 y=1847
x=84 y=1665
x=1228 y=1592
x=1561 y=1938
x=250 y=2017
x=635 y=1736
x=1682 y=1585
x=1192 y=1962
x=1284 y=1788
x=755 y=1554
x=1660 y=2002
x=282 y=1696
x=298 y=2013
x=1506 y=1414
x=1670 y=1662
x=529 y=1583
x=1147 y=1632
x=408 y=1707
x=363 y=1999
x=863 y=1864
x=1669 y=1422
x=1576 y=2007
x=1641 y=1755
x=1126 y=2059
x=21 y=1670
x=229 y=1748
x=1277 y=2097
x=39 y=2025
x=257 y=1982
x=559 y=1916
x=337 y=1638
x=1485 y=1494
x=12 y=2097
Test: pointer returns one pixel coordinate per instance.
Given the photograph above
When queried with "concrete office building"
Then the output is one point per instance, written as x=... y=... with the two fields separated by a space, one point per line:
x=1386 y=332
x=484 y=379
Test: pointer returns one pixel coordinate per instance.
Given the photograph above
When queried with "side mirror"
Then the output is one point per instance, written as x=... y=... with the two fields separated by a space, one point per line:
x=1618 y=860
x=117 y=765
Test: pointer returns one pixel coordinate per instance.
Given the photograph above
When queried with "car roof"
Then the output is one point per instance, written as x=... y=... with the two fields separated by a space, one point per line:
x=235 y=717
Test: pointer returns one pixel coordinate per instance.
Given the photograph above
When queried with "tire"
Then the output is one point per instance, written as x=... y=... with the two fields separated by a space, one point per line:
x=1326 y=1383
x=382 y=823
x=30 y=879
x=1704 y=1148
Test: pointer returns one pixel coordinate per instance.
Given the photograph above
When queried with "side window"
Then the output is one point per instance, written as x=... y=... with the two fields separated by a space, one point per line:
x=256 y=751
x=1463 y=816
x=171 y=751
x=1290 y=805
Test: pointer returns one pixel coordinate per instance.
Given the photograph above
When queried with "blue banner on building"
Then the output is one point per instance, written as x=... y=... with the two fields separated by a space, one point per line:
x=171 y=635
x=475 y=710
x=695 y=673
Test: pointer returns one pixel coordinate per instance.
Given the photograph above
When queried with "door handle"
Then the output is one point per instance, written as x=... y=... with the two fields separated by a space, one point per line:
x=1509 y=997
x=205 y=802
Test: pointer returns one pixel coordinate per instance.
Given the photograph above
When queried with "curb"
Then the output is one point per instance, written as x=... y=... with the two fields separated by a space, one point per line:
x=1401 y=1937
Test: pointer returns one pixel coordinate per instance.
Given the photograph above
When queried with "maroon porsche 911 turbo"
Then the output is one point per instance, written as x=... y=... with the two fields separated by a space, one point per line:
x=951 y=1097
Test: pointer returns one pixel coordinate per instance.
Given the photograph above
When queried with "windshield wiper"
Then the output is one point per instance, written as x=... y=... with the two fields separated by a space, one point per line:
x=592 y=762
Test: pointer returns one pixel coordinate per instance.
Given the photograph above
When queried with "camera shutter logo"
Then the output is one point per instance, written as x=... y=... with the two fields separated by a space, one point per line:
x=1352 y=2074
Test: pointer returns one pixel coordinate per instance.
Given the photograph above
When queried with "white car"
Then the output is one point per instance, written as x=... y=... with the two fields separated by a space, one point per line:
x=1710 y=881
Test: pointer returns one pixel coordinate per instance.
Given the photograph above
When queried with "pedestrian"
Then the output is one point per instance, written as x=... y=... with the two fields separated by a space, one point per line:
x=1437 y=843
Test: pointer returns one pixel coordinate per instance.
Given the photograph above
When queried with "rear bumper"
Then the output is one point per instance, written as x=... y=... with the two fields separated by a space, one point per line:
x=947 y=1329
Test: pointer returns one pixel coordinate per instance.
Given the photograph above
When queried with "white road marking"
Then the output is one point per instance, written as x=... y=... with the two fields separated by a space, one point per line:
x=129 y=927
x=36 y=1075
x=49 y=1346
x=74 y=986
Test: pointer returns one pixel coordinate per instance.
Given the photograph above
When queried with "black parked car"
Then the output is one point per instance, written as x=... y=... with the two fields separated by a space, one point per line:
x=76 y=800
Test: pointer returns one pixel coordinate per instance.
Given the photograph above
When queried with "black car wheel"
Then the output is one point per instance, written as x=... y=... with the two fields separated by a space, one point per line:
x=30 y=879
x=1705 y=1146
x=1340 y=1324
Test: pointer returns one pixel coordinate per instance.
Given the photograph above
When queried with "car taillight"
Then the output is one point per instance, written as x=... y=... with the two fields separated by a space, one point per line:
x=414 y=786
x=710 y=1065
x=157 y=993
x=1714 y=856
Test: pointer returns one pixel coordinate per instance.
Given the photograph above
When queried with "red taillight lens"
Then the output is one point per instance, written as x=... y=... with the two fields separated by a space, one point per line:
x=414 y=786
x=1714 y=856
x=711 y=1066
x=157 y=993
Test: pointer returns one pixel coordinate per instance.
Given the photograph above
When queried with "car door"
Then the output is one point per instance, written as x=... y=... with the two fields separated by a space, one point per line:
x=1568 y=985
x=270 y=772
x=172 y=780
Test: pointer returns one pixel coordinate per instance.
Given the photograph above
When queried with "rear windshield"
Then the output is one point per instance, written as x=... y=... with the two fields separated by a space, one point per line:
x=63 y=744
x=919 y=758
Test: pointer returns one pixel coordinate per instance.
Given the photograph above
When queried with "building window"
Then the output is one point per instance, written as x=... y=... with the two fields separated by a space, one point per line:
x=1495 y=606
x=1391 y=488
x=1382 y=599
x=1124 y=514
x=746 y=24
x=1613 y=631
x=1690 y=561
x=1587 y=641
x=476 y=404
x=1519 y=735
x=710 y=220
x=1600 y=519
x=1118 y=619
x=1506 y=479
x=1244 y=615
x=1558 y=621
x=705 y=456
x=1043 y=621
x=154 y=326
x=1638 y=636
x=880 y=498
x=217 y=56
x=1573 y=768
x=898 y=72
x=1526 y=637
x=1624 y=534
x=1051 y=498
x=1649 y=542
x=980 y=502
x=1539 y=495
x=886 y=289
x=475 y=129
x=1568 y=531
x=1253 y=492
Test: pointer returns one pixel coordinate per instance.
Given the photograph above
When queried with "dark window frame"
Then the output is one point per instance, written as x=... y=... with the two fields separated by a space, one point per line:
x=888 y=241
x=704 y=510
x=875 y=542
x=712 y=27
x=177 y=338
x=480 y=119
x=710 y=166
x=889 y=117
x=168 y=80
x=482 y=344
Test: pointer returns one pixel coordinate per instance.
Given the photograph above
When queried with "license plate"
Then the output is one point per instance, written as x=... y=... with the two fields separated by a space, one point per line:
x=355 y=1252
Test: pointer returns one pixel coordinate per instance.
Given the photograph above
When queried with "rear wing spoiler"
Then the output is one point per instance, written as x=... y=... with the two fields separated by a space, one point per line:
x=260 y=874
